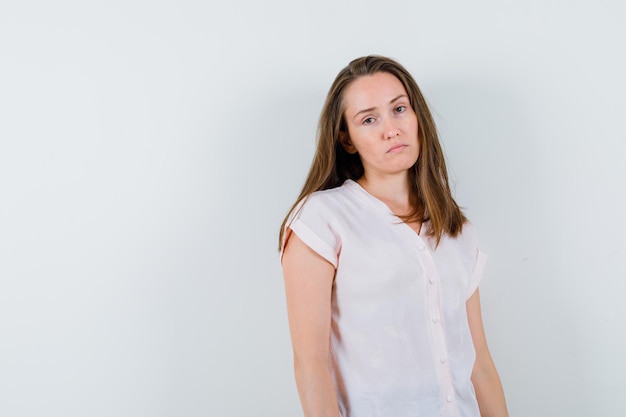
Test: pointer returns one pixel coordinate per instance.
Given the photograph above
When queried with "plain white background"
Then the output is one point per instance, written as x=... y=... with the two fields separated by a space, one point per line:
x=149 y=151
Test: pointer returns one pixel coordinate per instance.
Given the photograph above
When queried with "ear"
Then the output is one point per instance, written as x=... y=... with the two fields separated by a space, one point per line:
x=346 y=143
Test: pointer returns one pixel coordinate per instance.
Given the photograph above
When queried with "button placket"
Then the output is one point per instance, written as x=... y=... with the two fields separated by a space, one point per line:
x=434 y=310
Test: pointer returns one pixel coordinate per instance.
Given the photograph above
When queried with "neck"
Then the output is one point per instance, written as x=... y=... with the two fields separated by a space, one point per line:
x=393 y=190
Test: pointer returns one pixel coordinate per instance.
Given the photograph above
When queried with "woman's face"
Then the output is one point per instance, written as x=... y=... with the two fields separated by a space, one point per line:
x=382 y=126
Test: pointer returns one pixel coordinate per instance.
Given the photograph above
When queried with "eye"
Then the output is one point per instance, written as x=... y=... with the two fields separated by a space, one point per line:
x=368 y=121
x=400 y=109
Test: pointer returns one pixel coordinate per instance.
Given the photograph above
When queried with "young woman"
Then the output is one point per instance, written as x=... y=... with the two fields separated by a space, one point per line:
x=381 y=267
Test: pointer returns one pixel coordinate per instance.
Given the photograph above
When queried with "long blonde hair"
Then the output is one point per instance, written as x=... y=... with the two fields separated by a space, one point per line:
x=430 y=194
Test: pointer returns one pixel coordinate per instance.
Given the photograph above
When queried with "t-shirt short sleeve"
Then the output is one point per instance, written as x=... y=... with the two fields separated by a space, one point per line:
x=313 y=222
x=478 y=259
x=477 y=273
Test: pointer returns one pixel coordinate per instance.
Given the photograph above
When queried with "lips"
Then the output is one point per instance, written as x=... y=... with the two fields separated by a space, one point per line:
x=397 y=148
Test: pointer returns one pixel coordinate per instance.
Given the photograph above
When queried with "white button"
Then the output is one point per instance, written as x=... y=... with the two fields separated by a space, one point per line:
x=431 y=280
x=421 y=247
x=442 y=360
x=435 y=319
x=449 y=398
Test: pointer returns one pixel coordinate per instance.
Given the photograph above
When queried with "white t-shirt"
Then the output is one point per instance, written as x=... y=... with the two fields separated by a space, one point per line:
x=400 y=339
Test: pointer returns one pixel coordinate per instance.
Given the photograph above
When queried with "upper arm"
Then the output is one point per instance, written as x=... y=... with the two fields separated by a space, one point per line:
x=474 y=318
x=308 y=285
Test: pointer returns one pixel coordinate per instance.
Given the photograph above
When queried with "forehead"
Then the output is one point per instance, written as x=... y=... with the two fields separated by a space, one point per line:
x=372 y=91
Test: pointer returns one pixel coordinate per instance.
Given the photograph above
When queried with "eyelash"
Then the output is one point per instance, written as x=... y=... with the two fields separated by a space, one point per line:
x=399 y=109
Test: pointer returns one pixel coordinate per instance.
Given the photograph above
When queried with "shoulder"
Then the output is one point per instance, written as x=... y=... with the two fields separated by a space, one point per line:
x=316 y=220
x=469 y=245
x=328 y=201
x=468 y=234
x=325 y=209
x=465 y=242
x=332 y=194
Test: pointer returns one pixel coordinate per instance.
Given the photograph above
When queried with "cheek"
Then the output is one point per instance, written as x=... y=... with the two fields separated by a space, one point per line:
x=411 y=123
x=415 y=131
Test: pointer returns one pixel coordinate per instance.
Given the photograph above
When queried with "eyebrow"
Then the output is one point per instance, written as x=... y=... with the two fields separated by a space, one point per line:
x=374 y=108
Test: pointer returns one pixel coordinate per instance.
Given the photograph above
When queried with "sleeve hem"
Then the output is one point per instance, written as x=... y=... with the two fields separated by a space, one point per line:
x=477 y=274
x=314 y=241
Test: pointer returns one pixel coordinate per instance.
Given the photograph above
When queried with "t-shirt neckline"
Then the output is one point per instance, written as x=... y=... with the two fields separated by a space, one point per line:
x=380 y=205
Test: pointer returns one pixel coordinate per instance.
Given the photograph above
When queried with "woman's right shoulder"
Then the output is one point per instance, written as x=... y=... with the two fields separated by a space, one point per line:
x=321 y=204
x=328 y=199
x=317 y=221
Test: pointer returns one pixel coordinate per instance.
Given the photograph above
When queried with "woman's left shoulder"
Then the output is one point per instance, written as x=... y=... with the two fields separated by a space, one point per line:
x=469 y=230
x=468 y=237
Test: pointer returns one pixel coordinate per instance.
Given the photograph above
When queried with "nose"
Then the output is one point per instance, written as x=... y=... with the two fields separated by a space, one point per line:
x=389 y=128
x=391 y=131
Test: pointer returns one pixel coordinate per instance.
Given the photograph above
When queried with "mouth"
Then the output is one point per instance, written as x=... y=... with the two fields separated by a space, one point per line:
x=397 y=148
